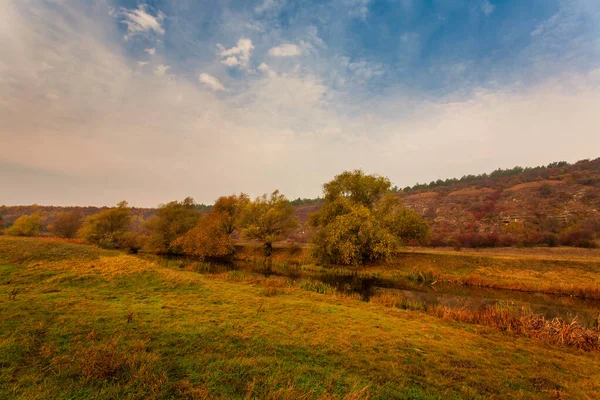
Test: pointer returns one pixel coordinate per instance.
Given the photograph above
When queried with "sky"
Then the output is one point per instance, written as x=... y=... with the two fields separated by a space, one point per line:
x=152 y=101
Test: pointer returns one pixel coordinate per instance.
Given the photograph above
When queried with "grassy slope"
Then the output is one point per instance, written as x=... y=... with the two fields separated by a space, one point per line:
x=67 y=335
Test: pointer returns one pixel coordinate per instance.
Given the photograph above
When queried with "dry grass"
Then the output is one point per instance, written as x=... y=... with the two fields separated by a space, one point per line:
x=506 y=318
x=520 y=321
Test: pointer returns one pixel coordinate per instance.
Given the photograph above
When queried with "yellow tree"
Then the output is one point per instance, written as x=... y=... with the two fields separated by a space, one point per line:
x=268 y=219
x=212 y=236
x=107 y=228
x=26 y=225
x=172 y=220
x=361 y=220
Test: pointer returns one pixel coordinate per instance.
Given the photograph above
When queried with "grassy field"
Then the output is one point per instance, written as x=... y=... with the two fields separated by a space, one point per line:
x=78 y=322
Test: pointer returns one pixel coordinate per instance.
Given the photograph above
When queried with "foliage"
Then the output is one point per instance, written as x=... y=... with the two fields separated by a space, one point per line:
x=26 y=225
x=304 y=201
x=171 y=221
x=1 y=224
x=357 y=187
x=67 y=224
x=268 y=219
x=212 y=236
x=362 y=220
x=107 y=228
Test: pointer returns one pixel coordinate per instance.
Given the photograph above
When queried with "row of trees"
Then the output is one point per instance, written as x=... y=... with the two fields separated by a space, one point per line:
x=361 y=220
x=502 y=178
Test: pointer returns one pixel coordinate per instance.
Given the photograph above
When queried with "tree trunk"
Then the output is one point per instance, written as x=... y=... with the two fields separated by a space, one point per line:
x=268 y=249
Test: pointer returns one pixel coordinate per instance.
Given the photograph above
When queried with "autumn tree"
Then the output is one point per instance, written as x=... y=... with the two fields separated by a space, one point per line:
x=172 y=220
x=268 y=219
x=67 y=223
x=26 y=225
x=107 y=228
x=212 y=236
x=362 y=220
x=1 y=225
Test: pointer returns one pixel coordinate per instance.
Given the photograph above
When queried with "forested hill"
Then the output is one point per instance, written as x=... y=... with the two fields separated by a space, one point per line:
x=585 y=172
x=554 y=204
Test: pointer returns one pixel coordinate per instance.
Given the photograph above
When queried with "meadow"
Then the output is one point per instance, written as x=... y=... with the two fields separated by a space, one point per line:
x=79 y=322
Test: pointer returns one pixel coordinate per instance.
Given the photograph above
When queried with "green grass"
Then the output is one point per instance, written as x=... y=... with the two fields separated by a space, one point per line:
x=96 y=324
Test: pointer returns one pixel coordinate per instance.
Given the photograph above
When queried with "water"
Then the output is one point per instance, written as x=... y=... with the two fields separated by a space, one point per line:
x=585 y=311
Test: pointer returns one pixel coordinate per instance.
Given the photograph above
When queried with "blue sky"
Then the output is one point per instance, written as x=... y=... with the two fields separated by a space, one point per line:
x=155 y=100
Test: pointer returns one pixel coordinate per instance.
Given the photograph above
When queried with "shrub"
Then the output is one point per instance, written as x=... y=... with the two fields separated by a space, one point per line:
x=67 y=224
x=172 y=220
x=26 y=225
x=107 y=228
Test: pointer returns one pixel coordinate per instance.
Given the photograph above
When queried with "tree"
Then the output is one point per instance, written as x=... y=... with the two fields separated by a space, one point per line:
x=172 y=220
x=362 y=220
x=1 y=225
x=26 y=225
x=67 y=223
x=107 y=228
x=268 y=219
x=357 y=187
x=230 y=208
x=212 y=236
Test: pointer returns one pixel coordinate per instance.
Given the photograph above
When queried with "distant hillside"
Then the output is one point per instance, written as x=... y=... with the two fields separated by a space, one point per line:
x=555 y=204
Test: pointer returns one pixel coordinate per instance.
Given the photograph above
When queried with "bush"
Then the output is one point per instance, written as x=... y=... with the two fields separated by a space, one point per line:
x=578 y=238
x=107 y=228
x=26 y=225
x=67 y=224
x=172 y=220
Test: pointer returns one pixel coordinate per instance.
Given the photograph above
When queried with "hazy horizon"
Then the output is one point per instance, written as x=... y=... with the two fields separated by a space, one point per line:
x=152 y=101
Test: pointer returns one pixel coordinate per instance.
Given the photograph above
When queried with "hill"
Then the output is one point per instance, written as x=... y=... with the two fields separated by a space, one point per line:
x=555 y=204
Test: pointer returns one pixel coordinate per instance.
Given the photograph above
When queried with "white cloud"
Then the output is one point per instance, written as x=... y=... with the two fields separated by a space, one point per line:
x=161 y=69
x=231 y=61
x=238 y=55
x=487 y=7
x=151 y=51
x=211 y=82
x=142 y=63
x=285 y=50
x=140 y=21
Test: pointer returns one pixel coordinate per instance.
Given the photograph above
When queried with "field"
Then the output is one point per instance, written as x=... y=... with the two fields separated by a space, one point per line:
x=78 y=322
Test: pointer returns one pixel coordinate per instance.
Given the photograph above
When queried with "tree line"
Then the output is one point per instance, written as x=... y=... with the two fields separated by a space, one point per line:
x=361 y=220
x=503 y=178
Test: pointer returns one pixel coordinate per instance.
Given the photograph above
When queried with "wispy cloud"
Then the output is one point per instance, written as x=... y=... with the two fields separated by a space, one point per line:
x=285 y=50
x=211 y=82
x=140 y=21
x=161 y=69
x=151 y=51
x=358 y=8
x=487 y=7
